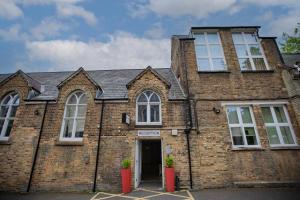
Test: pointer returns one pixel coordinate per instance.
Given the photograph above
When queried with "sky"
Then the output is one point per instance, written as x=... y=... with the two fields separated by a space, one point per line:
x=60 y=35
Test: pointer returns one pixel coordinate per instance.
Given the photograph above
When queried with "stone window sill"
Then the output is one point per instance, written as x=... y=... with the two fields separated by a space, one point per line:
x=214 y=72
x=148 y=126
x=69 y=143
x=257 y=71
x=247 y=149
x=286 y=148
x=5 y=142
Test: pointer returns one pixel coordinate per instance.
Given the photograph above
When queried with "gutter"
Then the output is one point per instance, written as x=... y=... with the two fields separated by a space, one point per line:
x=187 y=131
x=98 y=147
x=37 y=148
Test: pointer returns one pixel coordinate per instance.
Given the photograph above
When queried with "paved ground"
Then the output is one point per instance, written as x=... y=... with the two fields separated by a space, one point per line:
x=212 y=194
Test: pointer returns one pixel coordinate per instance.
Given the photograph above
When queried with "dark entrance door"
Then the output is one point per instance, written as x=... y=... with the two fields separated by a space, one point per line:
x=151 y=160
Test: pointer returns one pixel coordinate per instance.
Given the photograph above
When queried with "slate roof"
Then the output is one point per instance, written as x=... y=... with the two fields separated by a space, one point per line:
x=291 y=59
x=112 y=82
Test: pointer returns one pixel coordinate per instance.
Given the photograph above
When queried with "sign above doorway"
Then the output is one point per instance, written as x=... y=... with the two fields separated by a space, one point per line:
x=149 y=133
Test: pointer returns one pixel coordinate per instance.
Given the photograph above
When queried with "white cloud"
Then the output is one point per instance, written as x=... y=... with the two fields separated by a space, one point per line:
x=12 y=33
x=70 y=10
x=47 y=28
x=9 y=10
x=123 y=50
x=156 y=31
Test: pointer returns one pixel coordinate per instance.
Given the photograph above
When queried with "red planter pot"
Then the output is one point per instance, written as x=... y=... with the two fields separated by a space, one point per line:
x=170 y=179
x=126 y=180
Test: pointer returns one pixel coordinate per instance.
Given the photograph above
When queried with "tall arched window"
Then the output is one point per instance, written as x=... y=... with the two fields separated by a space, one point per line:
x=9 y=106
x=148 y=106
x=74 y=117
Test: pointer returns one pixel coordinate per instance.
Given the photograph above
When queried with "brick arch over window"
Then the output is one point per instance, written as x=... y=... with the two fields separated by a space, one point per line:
x=148 y=108
x=74 y=117
x=8 y=108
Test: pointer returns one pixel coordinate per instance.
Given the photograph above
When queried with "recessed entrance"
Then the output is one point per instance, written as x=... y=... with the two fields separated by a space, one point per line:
x=148 y=164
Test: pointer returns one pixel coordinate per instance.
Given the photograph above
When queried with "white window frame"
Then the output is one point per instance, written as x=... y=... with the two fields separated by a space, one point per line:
x=209 y=56
x=148 y=103
x=242 y=126
x=7 y=118
x=75 y=118
x=251 y=57
x=277 y=125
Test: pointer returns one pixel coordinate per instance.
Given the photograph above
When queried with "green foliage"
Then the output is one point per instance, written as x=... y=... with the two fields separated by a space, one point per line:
x=126 y=163
x=291 y=43
x=169 y=161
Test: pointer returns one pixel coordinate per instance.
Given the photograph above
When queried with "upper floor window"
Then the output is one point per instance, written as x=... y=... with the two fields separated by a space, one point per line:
x=74 y=117
x=242 y=126
x=278 y=125
x=148 y=106
x=209 y=52
x=8 y=110
x=249 y=51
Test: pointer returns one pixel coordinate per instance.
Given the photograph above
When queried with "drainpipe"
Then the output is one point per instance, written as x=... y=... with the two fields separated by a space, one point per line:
x=187 y=131
x=37 y=148
x=98 y=147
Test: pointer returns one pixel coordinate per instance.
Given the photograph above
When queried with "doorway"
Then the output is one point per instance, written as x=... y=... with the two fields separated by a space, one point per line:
x=149 y=167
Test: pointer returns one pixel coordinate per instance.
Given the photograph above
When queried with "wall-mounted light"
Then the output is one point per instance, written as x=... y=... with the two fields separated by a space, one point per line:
x=216 y=110
x=37 y=112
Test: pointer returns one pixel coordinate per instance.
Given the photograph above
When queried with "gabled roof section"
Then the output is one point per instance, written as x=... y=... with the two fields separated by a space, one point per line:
x=32 y=83
x=149 y=68
x=80 y=70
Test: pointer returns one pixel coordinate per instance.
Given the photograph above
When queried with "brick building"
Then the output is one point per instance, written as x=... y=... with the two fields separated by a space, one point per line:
x=222 y=111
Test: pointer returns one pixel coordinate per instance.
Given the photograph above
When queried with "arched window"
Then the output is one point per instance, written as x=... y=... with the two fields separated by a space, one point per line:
x=74 y=117
x=148 y=107
x=9 y=106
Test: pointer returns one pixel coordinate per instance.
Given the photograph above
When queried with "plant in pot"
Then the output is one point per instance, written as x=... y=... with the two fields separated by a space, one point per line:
x=126 y=176
x=170 y=174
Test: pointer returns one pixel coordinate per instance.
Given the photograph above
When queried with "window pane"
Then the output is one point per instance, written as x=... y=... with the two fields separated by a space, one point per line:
x=246 y=116
x=70 y=112
x=154 y=114
x=280 y=115
x=237 y=136
x=81 y=111
x=73 y=99
x=241 y=50
x=9 y=127
x=142 y=113
x=83 y=99
x=17 y=101
x=203 y=64
x=13 y=111
x=199 y=38
x=232 y=115
x=148 y=93
x=201 y=51
x=254 y=50
x=6 y=100
x=250 y=136
x=218 y=64
x=213 y=38
x=259 y=64
x=154 y=98
x=251 y=38
x=79 y=128
x=1 y=124
x=286 y=135
x=68 y=128
x=267 y=116
x=238 y=38
x=273 y=135
x=245 y=64
x=3 y=111
x=216 y=51
x=142 y=98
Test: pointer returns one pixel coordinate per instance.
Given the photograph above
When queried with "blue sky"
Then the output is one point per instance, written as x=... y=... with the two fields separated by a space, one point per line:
x=55 y=35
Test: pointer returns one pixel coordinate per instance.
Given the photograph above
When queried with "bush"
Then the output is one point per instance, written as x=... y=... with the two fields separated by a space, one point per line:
x=126 y=163
x=169 y=161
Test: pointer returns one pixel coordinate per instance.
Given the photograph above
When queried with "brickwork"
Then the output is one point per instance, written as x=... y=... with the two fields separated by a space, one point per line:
x=217 y=164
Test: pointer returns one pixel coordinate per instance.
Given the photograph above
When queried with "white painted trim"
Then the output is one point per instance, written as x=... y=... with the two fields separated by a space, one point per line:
x=254 y=102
